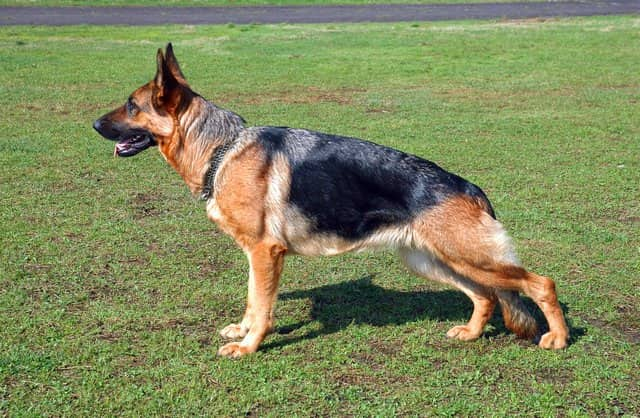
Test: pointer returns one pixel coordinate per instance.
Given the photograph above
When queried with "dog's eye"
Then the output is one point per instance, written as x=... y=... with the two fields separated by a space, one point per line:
x=132 y=108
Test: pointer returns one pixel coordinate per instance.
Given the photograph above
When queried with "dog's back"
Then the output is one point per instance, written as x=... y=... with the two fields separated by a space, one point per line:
x=351 y=188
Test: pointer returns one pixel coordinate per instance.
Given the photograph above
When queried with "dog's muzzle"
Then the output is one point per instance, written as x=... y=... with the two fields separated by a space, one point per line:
x=130 y=141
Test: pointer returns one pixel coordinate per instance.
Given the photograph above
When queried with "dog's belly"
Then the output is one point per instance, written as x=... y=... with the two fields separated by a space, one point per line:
x=302 y=236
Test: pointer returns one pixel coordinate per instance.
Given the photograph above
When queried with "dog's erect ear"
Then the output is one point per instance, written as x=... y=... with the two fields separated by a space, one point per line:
x=161 y=70
x=173 y=66
x=168 y=73
x=169 y=79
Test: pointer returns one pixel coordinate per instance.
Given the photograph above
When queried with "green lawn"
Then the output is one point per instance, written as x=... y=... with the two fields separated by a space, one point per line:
x=113 y=284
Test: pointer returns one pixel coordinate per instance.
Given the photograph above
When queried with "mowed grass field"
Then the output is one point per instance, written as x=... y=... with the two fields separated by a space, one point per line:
x=113 y=284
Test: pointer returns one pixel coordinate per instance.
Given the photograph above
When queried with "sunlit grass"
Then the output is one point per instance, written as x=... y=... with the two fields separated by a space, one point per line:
x=113 y=284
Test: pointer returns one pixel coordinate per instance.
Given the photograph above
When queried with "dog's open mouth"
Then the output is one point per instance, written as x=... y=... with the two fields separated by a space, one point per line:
x=133 y=143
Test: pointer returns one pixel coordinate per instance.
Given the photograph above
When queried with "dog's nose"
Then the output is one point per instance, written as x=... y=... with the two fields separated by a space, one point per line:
x=97 y=125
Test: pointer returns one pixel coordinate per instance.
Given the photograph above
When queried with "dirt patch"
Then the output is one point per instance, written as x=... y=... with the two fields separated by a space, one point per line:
x=103 y=291
x=145 y=205
x=629 y=219
x=200 y=331
x=309 y=95
x=9 y=382
x=354 y=378
x=370 y=360
x=379 y=110
x=168 y=324
x=255 y=411
x=377 y=377
x=211 y=268
x=375 y=358
x=67 y=237
x=358 y=377
x=386 y=348
x=142 y=261
x=73 y=236
x=626 y=327
x=499 y=99
x=123 y=365
x=35 y=268
x=31 y=107
x=553 y=375
x=624 y=215
x=111 y=337
x=154 y=248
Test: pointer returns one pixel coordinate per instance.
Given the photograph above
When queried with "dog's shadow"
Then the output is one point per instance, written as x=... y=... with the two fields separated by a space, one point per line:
x=337 y=306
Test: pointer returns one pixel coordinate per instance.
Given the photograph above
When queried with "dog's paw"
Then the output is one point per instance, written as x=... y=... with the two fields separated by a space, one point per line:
x=235 y=350
x=553 y=340
x=463 y=333
x=233 y=332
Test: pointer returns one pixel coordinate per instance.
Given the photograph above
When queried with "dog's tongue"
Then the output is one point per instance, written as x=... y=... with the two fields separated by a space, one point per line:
x=120 y=147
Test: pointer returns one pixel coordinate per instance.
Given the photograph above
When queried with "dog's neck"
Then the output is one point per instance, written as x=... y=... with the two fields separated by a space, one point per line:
x=201 y=129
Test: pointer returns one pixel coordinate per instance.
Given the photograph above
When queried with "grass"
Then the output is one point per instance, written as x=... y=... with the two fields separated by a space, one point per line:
x=101 y=3
x=113 y=284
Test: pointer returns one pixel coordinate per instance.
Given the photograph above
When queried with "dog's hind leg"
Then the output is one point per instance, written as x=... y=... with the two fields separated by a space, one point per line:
x=472 y=243
x=266 y=260
x=484 y=299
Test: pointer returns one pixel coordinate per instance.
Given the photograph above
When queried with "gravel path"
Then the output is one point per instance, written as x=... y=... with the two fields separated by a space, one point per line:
x=308 y=14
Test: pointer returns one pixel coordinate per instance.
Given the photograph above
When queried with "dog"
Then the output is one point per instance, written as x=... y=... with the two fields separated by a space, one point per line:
x=280 y=191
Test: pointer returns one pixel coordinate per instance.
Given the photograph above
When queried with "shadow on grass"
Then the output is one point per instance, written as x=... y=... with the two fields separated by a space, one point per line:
x=360 y=301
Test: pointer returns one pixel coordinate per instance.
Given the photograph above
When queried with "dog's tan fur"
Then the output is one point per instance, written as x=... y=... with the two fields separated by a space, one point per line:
x=456 y=242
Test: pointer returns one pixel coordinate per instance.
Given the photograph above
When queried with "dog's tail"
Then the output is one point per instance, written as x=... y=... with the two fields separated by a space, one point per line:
x=516 y=315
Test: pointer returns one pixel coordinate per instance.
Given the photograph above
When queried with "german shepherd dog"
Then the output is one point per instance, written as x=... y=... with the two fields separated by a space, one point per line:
x=280 y=191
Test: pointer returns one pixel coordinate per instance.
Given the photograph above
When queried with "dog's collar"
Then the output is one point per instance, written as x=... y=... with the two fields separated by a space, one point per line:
x=210 y=175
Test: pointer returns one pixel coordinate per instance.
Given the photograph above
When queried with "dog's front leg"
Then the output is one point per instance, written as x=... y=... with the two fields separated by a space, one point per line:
x=266 y=260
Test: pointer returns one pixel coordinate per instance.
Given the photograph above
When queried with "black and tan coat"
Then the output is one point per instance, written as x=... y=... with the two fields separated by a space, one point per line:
x=280 y=191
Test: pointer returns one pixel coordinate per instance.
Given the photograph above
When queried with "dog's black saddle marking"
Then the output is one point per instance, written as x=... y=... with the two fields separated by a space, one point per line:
x=352 y=188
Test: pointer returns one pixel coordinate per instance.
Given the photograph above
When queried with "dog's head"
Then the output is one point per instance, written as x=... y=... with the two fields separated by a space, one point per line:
x=148 y=116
